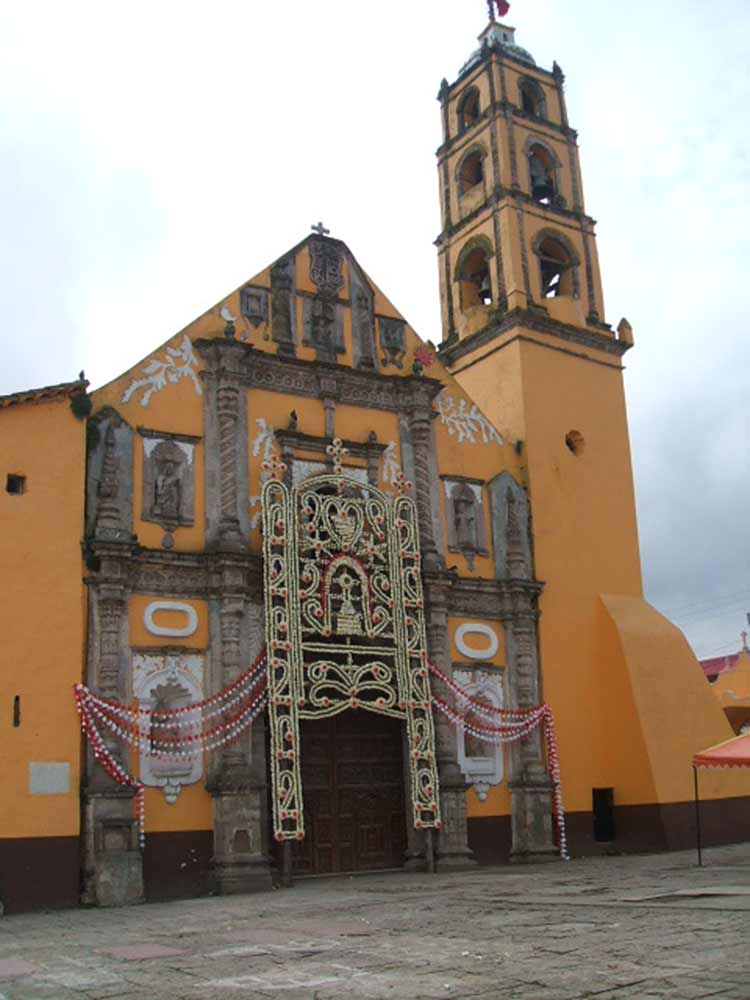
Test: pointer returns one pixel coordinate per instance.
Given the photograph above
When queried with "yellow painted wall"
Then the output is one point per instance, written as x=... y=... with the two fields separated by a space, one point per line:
x=42 y=613
x=679 y=715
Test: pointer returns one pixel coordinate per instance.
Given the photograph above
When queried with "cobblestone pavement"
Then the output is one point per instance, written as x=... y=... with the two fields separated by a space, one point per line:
x=634 y=928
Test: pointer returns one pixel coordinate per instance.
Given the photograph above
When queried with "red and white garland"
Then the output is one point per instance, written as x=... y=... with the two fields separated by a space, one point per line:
x=239 y=705
x=514 y=725
x=190 y=731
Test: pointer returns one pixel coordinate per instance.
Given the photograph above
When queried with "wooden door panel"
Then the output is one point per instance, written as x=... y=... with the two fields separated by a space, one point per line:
x=353 y=791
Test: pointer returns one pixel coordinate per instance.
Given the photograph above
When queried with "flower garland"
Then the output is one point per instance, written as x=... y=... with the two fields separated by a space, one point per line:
x=516 y=724
x=239 y=705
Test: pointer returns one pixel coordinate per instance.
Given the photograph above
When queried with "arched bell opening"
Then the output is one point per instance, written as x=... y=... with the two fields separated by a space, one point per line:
x=469 y=111
x=473 y=277
x=558 y=266
x=470 y=173
x=543 y=175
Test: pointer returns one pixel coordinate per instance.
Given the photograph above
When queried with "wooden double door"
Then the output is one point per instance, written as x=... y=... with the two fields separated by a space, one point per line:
x=353 y=793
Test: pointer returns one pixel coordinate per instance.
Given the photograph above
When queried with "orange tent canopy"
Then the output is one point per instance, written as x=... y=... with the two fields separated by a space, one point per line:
x=730 y=753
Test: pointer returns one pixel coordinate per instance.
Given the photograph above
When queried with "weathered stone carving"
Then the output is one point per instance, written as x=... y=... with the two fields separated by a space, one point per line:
x=254 y=304
x=283 y=306
x=168 y=480
x=363 y=322
x=326 y=266
x=110 y=478
x=324 y=327
x=392 y=341
x=167 y=679
x=465 y=519
x=511 y=538
x=480 y=762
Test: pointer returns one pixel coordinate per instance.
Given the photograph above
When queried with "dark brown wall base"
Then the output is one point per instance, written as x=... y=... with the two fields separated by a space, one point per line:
x=177 y=865
x=638 y=829
x=489 y=839
x=38 y=873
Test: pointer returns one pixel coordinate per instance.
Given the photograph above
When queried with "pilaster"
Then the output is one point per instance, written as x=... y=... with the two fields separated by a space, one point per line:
x=452 y=847
x=113 y=864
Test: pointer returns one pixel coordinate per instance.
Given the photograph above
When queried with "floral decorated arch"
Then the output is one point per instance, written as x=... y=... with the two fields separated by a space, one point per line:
x=344 y=626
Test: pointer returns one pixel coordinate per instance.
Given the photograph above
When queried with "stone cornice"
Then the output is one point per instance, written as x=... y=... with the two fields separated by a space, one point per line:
x=498 y=110
x=539 y=323
x=174 y=574
x=257 y=370
x=518 y=197
x=494 y=599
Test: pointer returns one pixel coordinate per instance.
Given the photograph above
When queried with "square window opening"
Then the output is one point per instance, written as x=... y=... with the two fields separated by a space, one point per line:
x=15 y=484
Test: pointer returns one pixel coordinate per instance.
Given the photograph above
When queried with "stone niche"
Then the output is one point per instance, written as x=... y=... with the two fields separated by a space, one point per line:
x=168 y=495
x=167 y=679
x=480 y=762
x=465 y=518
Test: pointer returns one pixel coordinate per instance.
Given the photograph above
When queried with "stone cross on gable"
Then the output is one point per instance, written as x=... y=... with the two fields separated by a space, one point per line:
x=321 y=230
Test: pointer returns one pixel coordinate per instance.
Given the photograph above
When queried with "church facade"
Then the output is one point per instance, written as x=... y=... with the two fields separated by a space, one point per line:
x=147 y=513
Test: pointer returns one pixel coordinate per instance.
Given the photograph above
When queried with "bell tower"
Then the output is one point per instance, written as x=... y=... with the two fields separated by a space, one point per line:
x=516 y=237
x=524 y=333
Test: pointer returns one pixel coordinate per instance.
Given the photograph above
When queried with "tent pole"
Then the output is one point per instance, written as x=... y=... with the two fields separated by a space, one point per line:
x=697 y=818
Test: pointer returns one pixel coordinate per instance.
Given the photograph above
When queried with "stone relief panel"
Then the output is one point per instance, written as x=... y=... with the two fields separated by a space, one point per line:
x=326 y=266
x=363 y=320
x=480 y=762
x=392 y=333
x=254 y=304
x=167 y=679
x=464 y=510
x=283 y=307
x=168 y=494
x=323 y=319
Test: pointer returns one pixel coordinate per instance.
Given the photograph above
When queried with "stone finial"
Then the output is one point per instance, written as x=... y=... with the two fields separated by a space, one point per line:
x=625 y=332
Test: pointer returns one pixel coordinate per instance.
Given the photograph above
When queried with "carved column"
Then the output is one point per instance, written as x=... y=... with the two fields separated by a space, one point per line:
x=426 y=482
x=453 y=849
x=452 y=845
x=113 y=868
x=530 y=786
x=226 y=442
x=239 y=863
x=238 y=781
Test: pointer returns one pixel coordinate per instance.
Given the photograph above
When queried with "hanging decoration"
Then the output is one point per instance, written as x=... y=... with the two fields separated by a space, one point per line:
x=505 y=726
x=344 y=624
x=169 y=734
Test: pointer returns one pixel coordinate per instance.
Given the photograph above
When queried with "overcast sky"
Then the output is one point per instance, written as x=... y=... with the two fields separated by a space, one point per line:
x=157 y=154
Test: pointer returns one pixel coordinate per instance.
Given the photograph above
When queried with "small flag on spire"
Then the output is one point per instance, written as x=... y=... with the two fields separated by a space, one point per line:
x=502 y=8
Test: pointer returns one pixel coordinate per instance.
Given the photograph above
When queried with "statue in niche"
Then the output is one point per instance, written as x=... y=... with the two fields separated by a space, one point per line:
x=465 y=517
x=465 y=528
x=168 y=460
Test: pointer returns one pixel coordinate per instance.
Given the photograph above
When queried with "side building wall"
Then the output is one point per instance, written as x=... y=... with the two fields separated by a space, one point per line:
x=42 y=627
